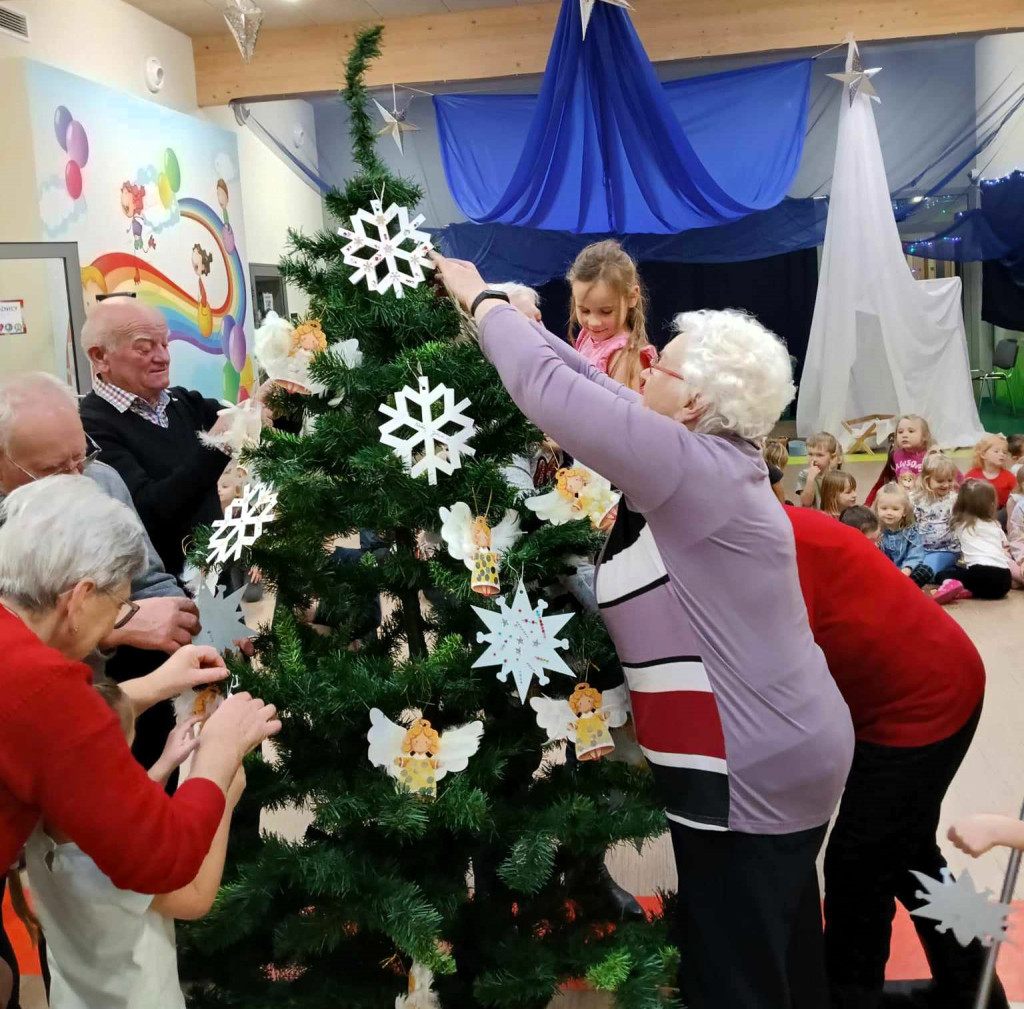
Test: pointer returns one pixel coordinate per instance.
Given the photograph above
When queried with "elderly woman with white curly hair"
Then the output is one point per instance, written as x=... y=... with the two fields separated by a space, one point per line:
x=68 y=553
x=746 y=734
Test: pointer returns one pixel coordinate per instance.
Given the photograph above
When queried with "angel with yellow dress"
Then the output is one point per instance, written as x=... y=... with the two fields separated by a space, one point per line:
x=578 y=493
x=584 y=718
x=470 y=539
x=420 y=756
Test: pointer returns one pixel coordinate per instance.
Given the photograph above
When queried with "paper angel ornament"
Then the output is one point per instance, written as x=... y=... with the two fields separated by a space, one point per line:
x=284 y=352
x=578 y=493
x=244 y=427
x=421 y=990
x=471 y=540
x=584 y=718
x=201 y=701
x=420 y=756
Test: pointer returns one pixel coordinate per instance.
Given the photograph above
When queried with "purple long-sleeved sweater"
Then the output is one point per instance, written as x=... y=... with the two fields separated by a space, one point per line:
x=733 y=703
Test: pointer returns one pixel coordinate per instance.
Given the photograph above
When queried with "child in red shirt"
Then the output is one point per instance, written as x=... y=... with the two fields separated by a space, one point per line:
x=990 y=455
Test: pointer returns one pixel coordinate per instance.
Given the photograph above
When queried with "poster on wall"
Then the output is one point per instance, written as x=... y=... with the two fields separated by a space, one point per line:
x=153 y=199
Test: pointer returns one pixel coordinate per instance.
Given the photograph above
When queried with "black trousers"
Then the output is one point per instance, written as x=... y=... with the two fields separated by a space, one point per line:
x=748 y=920
x=886 y=827
x=981 y=580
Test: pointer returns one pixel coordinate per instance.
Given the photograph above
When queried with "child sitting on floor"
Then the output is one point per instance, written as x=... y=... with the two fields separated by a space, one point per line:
x=913 y=440
x=838 y=492
x=933 y=503
x=1015 y=522
x=1015 y=447
x=901 y=542
x=776 y=456
x=864 y=520
x=990 y=456
x=112 y=947
x=823 y=454
x=987 y=572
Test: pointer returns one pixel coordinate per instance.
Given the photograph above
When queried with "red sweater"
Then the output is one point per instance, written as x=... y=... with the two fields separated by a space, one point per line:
x=910 y=675
x=1005 y=484
x=63 y=757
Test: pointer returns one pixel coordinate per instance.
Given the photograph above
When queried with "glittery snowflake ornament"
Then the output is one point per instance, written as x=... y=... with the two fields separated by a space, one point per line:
x=958 y=907
x=368 y=253
x=440 y=430
x=522 y=641
x=243 y=524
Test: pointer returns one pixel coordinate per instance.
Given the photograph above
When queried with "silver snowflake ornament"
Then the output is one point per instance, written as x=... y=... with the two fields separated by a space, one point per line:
x=522 y=641
x=440 y=430
x=958 y=907
x=220 y=617
x=242 y=524
x=369 y=253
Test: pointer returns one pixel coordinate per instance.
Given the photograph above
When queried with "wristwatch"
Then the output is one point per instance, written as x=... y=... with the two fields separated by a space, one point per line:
x=487 y=295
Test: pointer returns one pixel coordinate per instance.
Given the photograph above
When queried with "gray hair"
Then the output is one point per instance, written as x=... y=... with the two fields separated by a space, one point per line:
x=63 y=530
x=741 y=369
x=19 y=389
x=116 y=320
x=513 y=288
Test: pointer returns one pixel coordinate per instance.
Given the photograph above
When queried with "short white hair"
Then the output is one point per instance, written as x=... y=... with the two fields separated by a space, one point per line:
x=62 y=530
x=741 y=369
x=514 y=289
x=118 y=319
x=18 y=390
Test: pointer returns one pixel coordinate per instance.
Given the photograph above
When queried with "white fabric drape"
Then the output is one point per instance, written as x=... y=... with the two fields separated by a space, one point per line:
x=881 y=341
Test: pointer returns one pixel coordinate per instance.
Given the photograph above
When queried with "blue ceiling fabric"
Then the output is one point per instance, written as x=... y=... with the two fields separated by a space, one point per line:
x=605 y=147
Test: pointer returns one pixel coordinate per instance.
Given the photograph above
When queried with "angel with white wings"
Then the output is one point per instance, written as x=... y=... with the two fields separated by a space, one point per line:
x=578 y=493
x=420 y=756
x=584 y=718
x=471 y=540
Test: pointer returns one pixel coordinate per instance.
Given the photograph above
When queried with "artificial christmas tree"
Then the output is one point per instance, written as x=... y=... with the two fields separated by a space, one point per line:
x=489 y=888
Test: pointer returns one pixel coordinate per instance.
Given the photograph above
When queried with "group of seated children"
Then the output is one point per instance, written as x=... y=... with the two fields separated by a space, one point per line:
x=963 y=533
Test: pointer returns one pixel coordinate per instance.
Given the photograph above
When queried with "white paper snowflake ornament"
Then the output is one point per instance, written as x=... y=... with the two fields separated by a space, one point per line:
x=958 y=907
x=221 y=620
x=522 y=641
x=368 y=253
x=433 y=446
x=242 y=525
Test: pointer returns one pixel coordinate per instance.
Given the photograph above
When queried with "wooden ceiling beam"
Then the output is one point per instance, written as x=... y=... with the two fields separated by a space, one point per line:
x=508 y=41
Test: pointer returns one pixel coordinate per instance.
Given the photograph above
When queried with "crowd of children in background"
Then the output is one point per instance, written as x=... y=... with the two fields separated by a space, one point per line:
x=956 y=535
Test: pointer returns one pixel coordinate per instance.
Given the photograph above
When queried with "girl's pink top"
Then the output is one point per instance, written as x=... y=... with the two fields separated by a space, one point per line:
x=599 y=353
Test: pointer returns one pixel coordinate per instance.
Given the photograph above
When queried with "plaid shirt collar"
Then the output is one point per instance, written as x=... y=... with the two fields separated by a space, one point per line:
x=124 y=401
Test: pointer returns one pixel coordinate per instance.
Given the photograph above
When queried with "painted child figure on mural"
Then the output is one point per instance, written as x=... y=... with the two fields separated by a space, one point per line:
x=201 y=263
x=132 y=202
x=227 y=235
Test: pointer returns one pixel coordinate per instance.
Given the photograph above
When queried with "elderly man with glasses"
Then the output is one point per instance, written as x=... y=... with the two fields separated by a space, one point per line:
x=41 y=435
x=149 y=432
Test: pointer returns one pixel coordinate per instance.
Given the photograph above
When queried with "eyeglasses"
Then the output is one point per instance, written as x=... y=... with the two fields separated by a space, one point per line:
x=75 y=466
x=133 y=608
x=667 y=371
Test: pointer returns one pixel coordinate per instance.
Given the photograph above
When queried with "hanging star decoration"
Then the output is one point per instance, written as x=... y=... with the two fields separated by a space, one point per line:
x=959 y=908
x=221 y=620
x=587 y=8
x=522 y=641
x=244 y=19
x=394 y=124
x=856 y=78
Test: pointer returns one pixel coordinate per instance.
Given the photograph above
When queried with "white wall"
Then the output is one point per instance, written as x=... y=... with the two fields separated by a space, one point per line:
x=107 y=41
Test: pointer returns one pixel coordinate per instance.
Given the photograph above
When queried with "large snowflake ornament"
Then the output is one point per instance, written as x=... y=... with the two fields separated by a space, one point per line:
x=522 y=641
x=440 y=433
x=368 y=253
x=958 y=907
x=243 y=524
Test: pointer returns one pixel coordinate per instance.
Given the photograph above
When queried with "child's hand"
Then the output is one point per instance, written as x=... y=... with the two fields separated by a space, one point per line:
x=812 y=472
x=978 y=833
x=180 y=745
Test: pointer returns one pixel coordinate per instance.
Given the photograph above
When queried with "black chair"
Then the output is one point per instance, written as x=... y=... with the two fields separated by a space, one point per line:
x=1004 y=359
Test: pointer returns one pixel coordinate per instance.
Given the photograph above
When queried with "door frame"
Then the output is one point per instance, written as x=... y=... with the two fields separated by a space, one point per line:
x=266 y=271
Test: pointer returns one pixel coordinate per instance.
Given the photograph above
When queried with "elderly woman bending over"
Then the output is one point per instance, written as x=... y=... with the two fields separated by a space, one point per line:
x=745 y=732
x=68 y=554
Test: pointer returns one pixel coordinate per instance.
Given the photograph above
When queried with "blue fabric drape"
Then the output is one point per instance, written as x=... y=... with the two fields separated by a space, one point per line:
x=605 y=147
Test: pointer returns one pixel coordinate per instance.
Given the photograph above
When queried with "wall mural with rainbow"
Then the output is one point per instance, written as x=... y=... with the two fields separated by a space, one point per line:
x=145 y=192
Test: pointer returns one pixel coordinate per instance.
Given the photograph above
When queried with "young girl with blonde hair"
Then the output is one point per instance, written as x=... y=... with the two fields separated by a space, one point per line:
x=838 y=492
x=933 y=502
x=608 y=313
x=990 y=456
x=900 y=541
